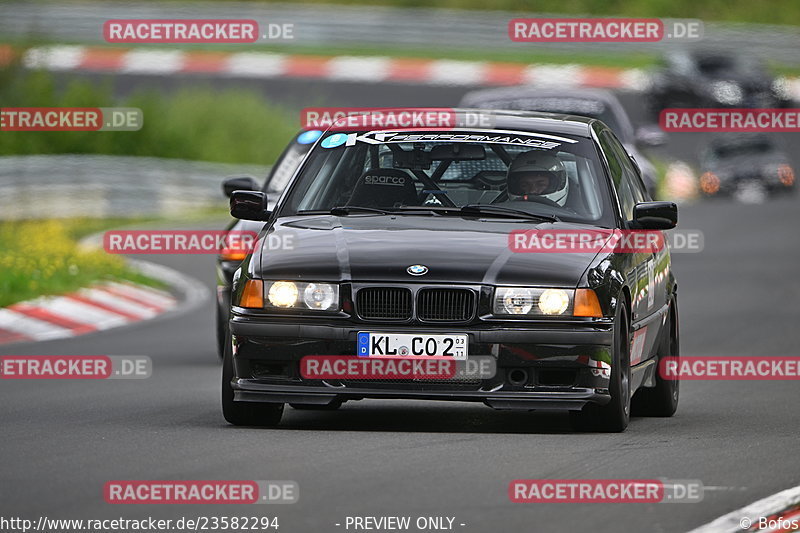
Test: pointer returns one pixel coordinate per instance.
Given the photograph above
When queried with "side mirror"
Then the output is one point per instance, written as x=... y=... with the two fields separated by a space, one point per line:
x=655 y=215
x=651 y=136
x=239 y=183
x=249 y=205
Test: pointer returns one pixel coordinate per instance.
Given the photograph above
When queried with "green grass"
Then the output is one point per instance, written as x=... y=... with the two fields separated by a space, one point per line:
x=204 y=124
x=42 y=257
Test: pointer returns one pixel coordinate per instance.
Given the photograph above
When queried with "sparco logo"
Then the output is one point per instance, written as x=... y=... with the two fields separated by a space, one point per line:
x=384 y=180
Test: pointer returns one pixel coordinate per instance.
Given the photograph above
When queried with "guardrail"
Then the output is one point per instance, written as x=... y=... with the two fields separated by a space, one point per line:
x=386 y=26
x=57 y=186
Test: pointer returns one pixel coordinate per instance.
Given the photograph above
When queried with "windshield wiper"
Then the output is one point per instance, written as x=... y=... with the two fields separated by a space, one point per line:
x=344 y=210
x=498 y=210
x=401 y=210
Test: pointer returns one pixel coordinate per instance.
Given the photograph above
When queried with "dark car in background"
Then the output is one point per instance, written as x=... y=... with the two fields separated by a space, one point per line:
x=401 y=251
x=747 y=165
x=229 y=258
x=593 y=103
x=705 y=78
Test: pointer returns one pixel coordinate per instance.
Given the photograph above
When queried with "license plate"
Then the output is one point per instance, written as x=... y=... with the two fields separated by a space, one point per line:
x=410 y=345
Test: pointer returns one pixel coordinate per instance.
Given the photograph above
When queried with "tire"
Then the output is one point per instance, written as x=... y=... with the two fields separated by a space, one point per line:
x=662 y=400
x=311 y=407
x=222 y=332
x=615 y=415
x=244 y=413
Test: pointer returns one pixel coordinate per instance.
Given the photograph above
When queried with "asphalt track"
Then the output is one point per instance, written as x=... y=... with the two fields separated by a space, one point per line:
x=62 y=440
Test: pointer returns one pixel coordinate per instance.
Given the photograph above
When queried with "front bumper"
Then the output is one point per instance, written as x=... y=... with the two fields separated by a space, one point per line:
x=538 y=366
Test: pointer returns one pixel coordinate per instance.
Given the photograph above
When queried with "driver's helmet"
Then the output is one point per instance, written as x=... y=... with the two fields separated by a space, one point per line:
x=537 y=174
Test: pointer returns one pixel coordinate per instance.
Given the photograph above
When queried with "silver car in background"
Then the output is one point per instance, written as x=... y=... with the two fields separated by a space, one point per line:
x=593 y=103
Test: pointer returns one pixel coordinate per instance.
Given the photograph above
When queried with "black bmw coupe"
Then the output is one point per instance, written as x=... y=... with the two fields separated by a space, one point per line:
x=430 y=244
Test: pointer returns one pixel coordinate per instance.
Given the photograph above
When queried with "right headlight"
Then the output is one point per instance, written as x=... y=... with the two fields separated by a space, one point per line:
x=531 y=301
x=540 y=301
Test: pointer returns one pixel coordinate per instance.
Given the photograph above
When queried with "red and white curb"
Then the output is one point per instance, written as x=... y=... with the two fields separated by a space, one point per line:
x=375 y=69
x=783 y=505
x=369 y=69
x=103 y=306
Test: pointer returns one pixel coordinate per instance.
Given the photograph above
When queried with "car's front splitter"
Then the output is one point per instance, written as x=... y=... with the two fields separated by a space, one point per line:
x=552 y=399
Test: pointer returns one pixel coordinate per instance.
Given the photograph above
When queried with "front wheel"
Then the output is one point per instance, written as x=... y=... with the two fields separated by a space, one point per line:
x=615 y=415
x=244 y=413
x=662 y=400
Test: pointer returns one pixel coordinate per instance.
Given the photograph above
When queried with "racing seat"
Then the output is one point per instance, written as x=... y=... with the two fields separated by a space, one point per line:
x=384 y=188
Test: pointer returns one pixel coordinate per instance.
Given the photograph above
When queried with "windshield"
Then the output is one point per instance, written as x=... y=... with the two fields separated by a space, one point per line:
x=553 y=176
x=287 y=163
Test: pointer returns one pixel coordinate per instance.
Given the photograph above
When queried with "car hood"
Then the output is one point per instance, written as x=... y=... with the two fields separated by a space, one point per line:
x=381 y=248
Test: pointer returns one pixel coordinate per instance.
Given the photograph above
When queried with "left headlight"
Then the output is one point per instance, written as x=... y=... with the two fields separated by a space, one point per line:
x=532 y=301
x=315 y=296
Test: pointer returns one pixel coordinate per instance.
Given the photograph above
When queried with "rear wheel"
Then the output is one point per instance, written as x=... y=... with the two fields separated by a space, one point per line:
x=662 y=400
x=244 y=413
x=615 y=415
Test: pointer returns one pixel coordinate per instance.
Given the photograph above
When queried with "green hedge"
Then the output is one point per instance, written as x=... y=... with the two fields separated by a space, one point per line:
x=230 y=126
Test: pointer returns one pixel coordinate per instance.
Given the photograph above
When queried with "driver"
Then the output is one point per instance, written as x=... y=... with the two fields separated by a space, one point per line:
x=537 y=174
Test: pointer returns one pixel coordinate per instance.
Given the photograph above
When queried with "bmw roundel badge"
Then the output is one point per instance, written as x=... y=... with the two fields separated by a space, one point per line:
x=417 y=270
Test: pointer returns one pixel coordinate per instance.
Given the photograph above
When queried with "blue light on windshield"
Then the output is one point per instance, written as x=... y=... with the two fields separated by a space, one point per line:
x=308 y=137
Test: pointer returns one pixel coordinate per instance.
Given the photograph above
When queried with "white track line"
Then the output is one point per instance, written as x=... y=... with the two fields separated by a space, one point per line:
x=732 y=521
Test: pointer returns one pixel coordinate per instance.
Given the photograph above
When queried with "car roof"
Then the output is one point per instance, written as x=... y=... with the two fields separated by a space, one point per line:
x=511 y=93
x=483 y=97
